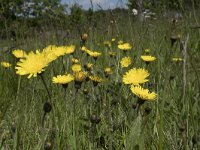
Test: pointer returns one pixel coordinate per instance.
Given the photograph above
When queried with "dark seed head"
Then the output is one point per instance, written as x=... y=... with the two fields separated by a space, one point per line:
x=47 y=146
x=194 y=139
x=47 y=107
x=95 y=119
x=13 y=127
x=134 y=106
x=147 y=110
x=85 y=91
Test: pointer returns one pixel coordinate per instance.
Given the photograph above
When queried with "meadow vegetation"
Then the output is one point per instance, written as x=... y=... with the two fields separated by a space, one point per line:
x=98 y=108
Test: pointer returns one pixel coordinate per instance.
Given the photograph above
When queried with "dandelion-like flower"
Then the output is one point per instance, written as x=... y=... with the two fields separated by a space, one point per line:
x=108 y=70
x=5 y=64
x=95 y=55
x=32 y=65
x=63 y=79
x=96 y=80
x=80 y=76
x=50 y=53
x=111 y=54
x=124 y=46
x=135 y=76
x=18 y=53
x=147 y=50
x=76 y=67
x=125 y=62
x=143 y=94
x=107 y=43
x=88 y=66
x=148 y=58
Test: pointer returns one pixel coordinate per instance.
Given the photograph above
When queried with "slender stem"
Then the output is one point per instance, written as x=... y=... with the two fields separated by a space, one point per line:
x=45 y=85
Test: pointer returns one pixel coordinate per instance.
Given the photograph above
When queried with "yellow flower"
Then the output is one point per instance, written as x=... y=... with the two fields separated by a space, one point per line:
x=147 y=50
x=125 y=62
x=76 y=67
x=107 y=43
x=70 y=49
x=80 y=76
x=143 y=94
x=148 y=58
x=18 y=53
x=177 y=59
x=120 y=42
x=88 y=66
x=124 y=46
x=135 y=76
x=63 y=79
x=83 y=49
x=94 y=54
x=111 y=54
x=5 y=64
x=50 y=53
x=113 y=39
x=33 y=64
x=60 y=51
x=74 y=60
x=108 y=70
x=96 y=80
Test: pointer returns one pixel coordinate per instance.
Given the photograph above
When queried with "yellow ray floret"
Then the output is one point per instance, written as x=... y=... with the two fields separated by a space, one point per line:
x=18 y=53
x=135 y=76
x=143 y=94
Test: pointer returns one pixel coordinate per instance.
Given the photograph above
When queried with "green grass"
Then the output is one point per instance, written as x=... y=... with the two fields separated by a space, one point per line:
x=173 y=122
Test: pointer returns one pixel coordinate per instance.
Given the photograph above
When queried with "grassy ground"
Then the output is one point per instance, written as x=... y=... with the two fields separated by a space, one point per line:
x=170 y=122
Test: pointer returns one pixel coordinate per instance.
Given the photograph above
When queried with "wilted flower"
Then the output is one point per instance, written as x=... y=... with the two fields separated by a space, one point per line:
x=125 y=62
x=135 y=76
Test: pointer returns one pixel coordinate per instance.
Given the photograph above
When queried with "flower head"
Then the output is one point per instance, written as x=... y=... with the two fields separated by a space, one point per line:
x=76 y=67
x=88 y=66
x=124 y=46
x=107 y=43
x=148 y=58
x=125 y=62
x=80 y=76
x=96 y=80
x=135 y=76
x=32 y=65
x=147 y=50
x=5 y=64
x=63 y=79
x=18 y=53
x=108 y=70
x=111 y=54
x=143 y=94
